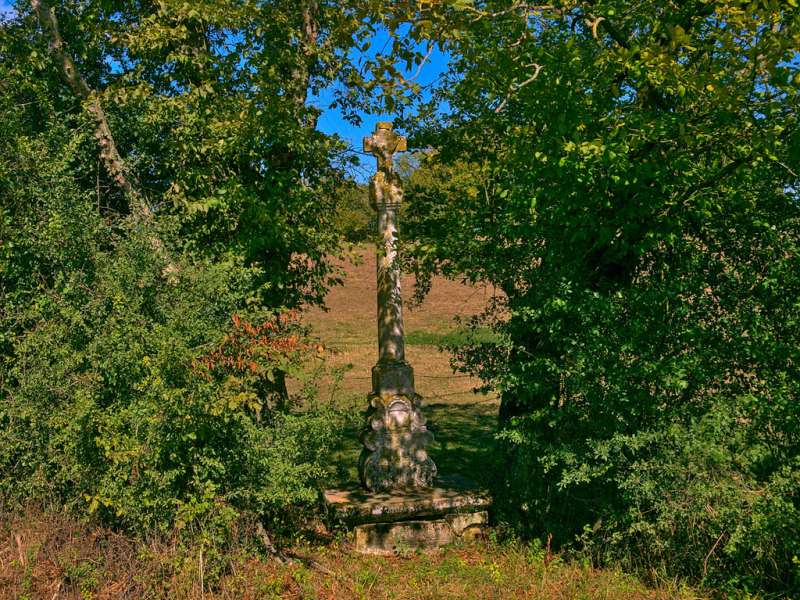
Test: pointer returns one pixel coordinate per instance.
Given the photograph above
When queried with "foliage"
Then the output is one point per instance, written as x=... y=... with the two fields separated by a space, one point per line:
x=209 y=106
x=627 y=175
x=116 y=400
x=116 y=395
x=355 y=218
x=166 y=198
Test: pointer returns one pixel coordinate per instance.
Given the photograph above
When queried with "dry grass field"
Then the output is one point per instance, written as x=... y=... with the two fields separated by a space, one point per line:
x=461 y=419
x=51 y=557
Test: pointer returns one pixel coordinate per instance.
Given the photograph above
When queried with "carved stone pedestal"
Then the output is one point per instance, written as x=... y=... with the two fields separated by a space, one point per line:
x=395 y=439
x=391 y=523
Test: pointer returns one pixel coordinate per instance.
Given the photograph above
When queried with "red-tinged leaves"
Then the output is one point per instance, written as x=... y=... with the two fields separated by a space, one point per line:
x=256 y=348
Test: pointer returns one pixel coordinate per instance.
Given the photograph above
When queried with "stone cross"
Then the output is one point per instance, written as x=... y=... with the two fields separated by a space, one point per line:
x=386 y=195
x=396 y=438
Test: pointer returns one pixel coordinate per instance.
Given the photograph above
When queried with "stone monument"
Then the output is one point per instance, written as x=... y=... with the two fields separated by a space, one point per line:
x=400 y=504
x=395 y=439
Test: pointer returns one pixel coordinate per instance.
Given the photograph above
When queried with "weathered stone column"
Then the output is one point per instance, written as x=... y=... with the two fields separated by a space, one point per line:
x=396 y=438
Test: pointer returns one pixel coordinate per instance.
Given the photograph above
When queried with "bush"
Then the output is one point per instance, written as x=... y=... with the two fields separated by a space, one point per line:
x=650 y=415
x=143 y=385
x=660 y=417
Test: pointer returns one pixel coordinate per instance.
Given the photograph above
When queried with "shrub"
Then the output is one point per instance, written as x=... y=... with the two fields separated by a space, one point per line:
x=660 y=417
x=144 y=386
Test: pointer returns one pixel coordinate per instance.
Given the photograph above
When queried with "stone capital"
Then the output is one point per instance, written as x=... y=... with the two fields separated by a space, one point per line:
x=392 y=378
x=385 y=191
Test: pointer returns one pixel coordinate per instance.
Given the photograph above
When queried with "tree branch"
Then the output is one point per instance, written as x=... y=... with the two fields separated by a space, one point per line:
x=527 y=7
x=113 y=162
x=422 y=63
x=723 y=172
x=537 y=68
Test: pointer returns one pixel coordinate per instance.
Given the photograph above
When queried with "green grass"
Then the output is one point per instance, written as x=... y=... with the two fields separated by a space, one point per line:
x=449 y=339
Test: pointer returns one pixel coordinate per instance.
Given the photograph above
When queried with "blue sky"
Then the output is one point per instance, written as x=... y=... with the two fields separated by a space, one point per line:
x=331 y=121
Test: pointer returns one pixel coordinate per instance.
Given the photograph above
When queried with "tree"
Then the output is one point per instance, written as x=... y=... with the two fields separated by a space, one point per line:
x=628 y=176
x=166 y=202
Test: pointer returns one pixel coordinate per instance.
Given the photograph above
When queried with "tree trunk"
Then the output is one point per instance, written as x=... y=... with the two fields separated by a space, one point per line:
x=114 y=165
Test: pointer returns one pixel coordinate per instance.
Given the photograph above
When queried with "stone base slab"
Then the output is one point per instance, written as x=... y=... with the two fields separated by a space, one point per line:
x=390 y=539
x=354 y=505
x=399 y=521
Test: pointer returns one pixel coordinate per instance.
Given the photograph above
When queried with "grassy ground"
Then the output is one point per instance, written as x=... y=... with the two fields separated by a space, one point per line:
x=51 y=557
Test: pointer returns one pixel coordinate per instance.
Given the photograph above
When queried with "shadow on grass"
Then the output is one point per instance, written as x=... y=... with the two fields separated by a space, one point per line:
x=463 y=442
x=463 y=438
x=455 y=337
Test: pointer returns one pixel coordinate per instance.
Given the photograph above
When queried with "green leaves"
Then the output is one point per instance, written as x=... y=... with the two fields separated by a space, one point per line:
x=462 y=4
x=103 y=408
x=648 y=317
